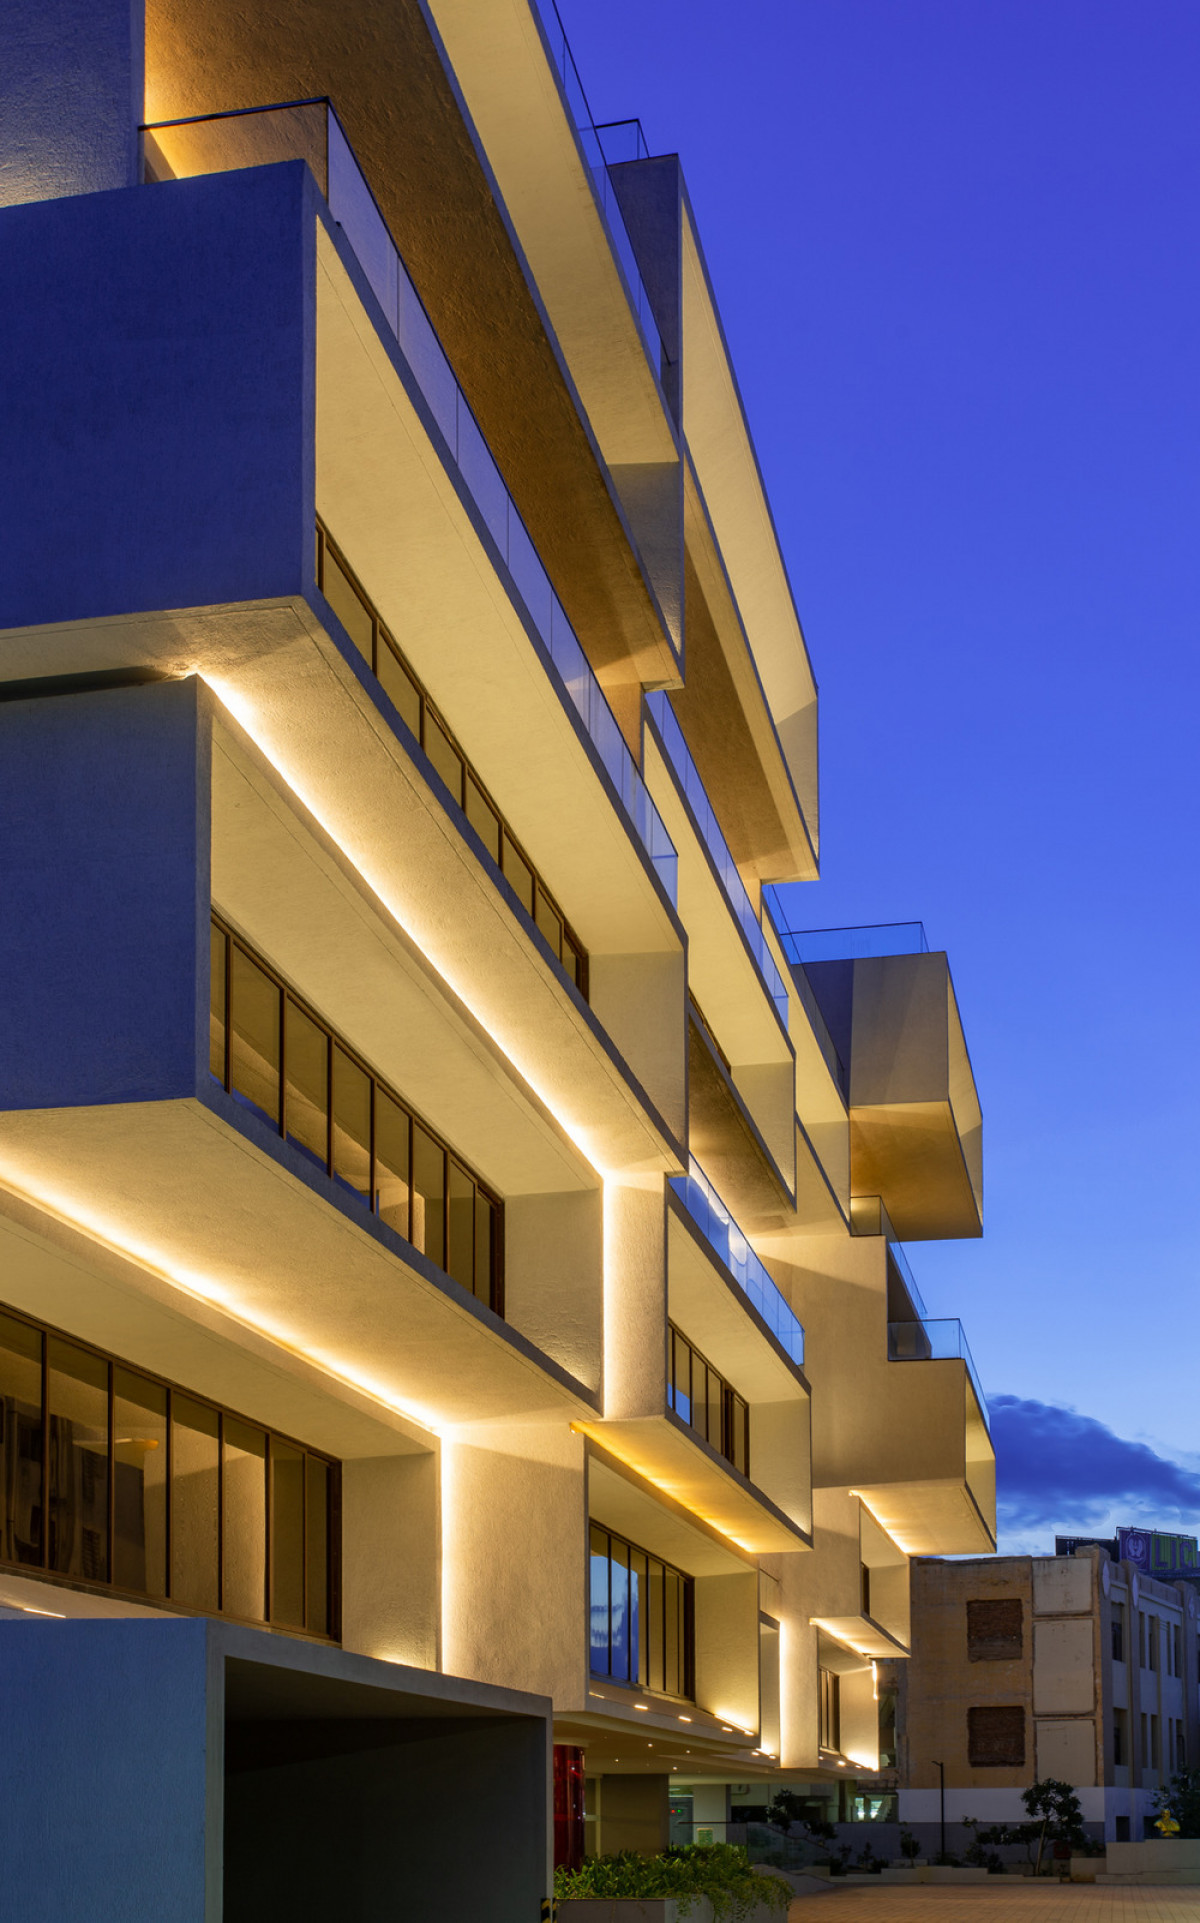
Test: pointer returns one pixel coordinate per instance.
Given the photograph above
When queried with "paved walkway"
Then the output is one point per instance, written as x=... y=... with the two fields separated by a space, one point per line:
x=1013 y=1901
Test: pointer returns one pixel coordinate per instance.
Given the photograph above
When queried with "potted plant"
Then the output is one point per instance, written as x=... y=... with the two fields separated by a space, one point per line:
x=702 y=1883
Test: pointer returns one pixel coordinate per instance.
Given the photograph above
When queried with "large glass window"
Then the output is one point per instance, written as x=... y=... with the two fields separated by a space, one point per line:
x=77 y=1394
x=352 y=605
x=704 y=1400
x=158 y=1493
x=641 y=1613
x=281 y=1058
x=22 y=1442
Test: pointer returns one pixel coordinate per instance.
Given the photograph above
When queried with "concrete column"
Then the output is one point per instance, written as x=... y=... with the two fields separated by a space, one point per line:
x=71 y=90
x=635 y=1298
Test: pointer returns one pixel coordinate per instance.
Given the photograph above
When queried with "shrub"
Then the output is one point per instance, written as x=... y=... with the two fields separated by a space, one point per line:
x=719 y=1871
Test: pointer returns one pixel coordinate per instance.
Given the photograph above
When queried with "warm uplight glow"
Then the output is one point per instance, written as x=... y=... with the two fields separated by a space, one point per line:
x=887 y=1527
x=112 y=1235
x=27 y=1609
x=248 y=718
x=673 y=1490
x=836 y=1634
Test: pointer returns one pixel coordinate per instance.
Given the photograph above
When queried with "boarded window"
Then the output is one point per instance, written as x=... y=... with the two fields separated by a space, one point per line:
x=994 y=1630
x=996 y=1737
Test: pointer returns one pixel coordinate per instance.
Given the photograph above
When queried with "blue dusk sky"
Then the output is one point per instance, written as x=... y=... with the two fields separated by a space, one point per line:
x=954 y=243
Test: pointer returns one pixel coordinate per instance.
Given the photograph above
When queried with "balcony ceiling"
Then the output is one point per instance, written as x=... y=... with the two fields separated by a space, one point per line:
x=181 y=1191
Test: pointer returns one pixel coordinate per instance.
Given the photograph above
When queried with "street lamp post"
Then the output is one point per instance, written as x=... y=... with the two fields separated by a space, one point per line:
x=941 y=1770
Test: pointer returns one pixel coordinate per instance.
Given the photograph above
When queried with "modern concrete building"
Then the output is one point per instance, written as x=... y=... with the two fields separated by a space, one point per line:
x=421 y=1153
x=1023 y=1667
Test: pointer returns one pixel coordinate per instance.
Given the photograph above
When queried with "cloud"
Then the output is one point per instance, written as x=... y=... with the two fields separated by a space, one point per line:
x=1057 y=1468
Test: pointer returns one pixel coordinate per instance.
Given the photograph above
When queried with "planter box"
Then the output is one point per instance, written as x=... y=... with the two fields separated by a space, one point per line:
x=1085 y=1869
x=1160 y=1859
x=661 y=1909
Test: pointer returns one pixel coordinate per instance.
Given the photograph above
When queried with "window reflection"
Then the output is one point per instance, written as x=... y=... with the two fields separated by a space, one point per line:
x=429 y=1195
x=640 y=1611
x=195 y=1460
x=306 y=1052
x=139 y=1483
x=707 y=1403
x=287 y=1543
x=351 y=1124
x=254 y=1038
x=180 y=1472
x=21 y=1440
x=329 y=1105
x=392 y=1130
x=353 y=607
x=77 y=1386
x=244 y=1519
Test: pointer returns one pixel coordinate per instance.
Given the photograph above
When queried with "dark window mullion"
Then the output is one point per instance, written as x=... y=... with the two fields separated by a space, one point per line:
x=228 y=1008
x=112 y=1477
x=304 y=1538
x=45 y=1450
x=373 y=1191
x=281 y=1118
x=412 y=1151
x=220 y=1511
x=608 y=1564
x=328 y=1101
x=168 y=1501
x=270 y=1532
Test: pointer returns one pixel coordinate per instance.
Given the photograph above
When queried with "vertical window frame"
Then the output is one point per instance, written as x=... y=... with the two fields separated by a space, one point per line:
x=46 y=1334
x=334 y=1040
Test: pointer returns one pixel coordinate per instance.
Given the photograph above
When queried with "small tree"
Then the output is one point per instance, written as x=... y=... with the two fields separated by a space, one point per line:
x=1182 y=1797
x=787 y=1808
x=1055 y=1817
x=1058 y=1808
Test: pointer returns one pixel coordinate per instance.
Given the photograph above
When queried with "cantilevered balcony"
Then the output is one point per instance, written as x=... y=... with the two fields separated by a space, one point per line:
x=298 y=1061
x=687 y=775
x=732 y=972
x=604 y=144
x=310 y=130
x=899 y=1420
x=916 y=1132
x=527 y=101
x=706 y=1209
x=302 y=406
x=717 y=1417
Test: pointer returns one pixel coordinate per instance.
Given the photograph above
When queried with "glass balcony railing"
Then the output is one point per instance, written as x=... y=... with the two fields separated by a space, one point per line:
x=897 y=1255
x=309 y=130
x=724 y=1237
x=939 y=1340
x=845 y=944
x=695 y=794
x=622 y=140
x=595 y=152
